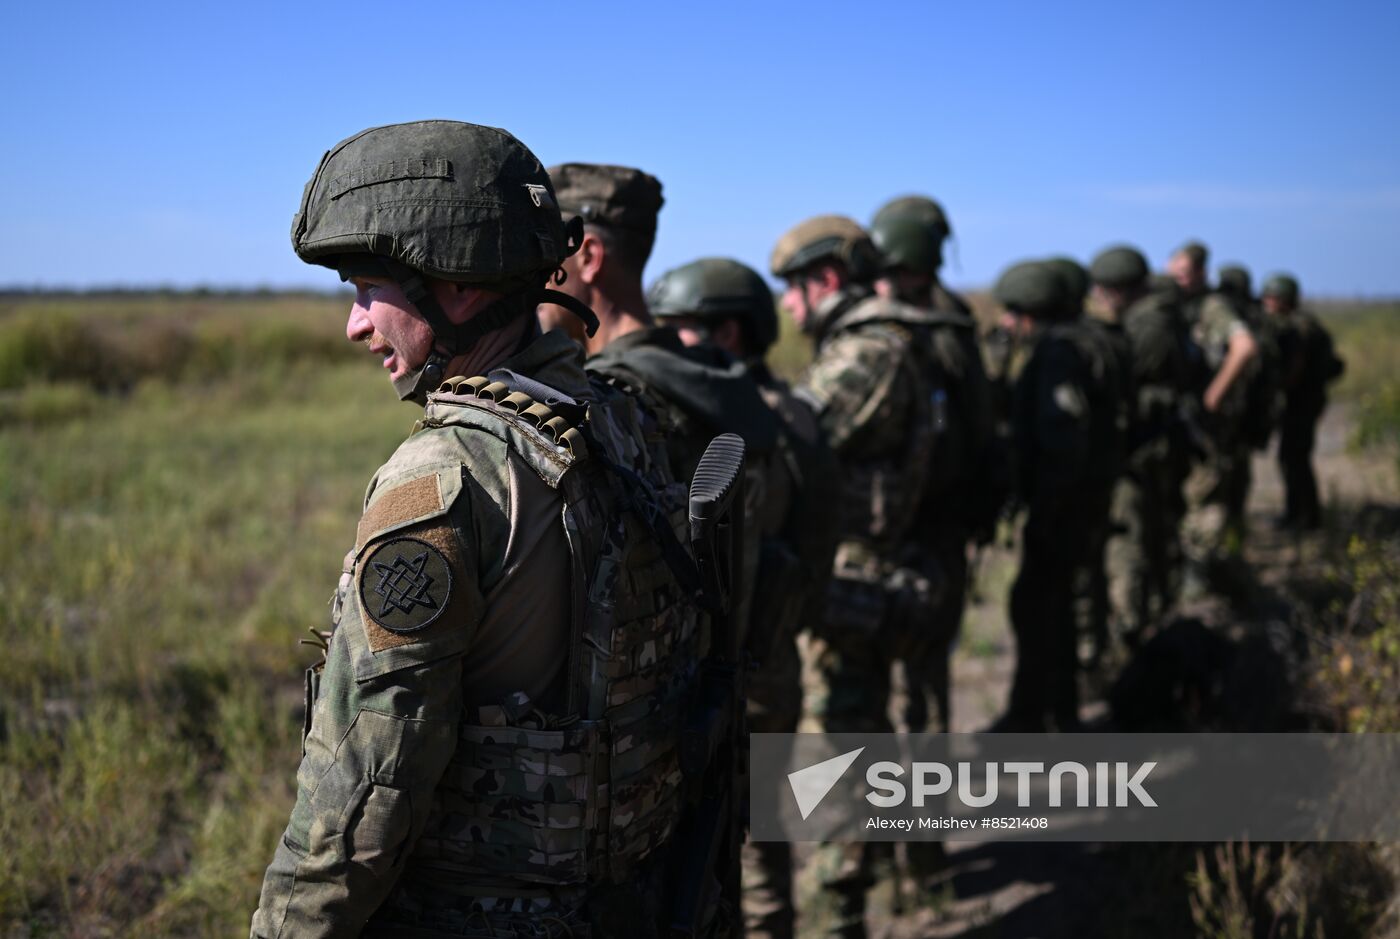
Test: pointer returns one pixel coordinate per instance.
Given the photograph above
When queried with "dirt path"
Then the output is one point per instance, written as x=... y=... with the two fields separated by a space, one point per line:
x=1053 y=890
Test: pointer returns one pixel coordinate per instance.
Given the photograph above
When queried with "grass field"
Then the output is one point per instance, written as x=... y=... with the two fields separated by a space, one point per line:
x=179 y=479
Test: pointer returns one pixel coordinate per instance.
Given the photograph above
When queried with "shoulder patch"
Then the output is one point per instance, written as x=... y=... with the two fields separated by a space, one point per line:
x=406 y=585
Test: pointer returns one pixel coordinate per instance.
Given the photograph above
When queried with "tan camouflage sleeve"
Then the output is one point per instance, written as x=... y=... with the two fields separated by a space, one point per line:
x=384 y=722
x=857 y=389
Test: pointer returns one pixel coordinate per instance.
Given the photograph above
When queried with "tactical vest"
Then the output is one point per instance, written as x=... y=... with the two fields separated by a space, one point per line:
x=579 y=797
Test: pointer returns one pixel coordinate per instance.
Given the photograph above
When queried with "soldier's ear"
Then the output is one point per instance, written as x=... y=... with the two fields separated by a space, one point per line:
x=590 y=258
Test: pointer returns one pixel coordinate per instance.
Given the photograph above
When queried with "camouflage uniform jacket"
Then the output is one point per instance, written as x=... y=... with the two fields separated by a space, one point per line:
x=871 y=390
x=456 y=625
x=1215 y=324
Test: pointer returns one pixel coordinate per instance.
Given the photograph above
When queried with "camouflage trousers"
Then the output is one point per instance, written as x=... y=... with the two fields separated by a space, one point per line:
x=1091 y=601
x=1143 y=560
x=774 y=707
x=1216 y=493
x=848 y=692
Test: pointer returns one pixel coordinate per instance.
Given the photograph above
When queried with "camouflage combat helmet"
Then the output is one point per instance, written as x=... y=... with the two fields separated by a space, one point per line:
x=438 y=199
x=1283 y=286
x=717 y=289
x=1031 y=288
x=1120 y=267
x=919 y=208
x=1235 y=281
x=825 y=237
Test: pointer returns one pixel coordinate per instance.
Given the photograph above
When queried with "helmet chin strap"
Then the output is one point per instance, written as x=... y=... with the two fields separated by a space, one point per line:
x=450 y=339
x=454 y=339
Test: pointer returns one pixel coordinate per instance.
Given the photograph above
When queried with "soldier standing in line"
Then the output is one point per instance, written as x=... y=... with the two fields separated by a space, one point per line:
x=1309 y=364
x=472 y=766
x=1093 y=607
x=917 y=261
x=1143 y=558
x=723 y=303
x=1228 y=354
x=962 y=499
x=1066 y=437
x=1262 y=399
x=869 y=387
x=697 y=393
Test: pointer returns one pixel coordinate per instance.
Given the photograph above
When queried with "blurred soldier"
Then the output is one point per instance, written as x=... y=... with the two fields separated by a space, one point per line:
x=1091 y=580
x=1262 y=402
x=1143 y=561
x=914 y=253
x=1065 y=427
x=472 y=616
x=967 y=484
x=1228 y=352
x=870 y=387
x=697 y=392
x=724 y=303
x=1309 y=363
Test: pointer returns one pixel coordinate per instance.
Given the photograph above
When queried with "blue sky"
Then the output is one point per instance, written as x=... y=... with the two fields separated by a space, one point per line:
x=168 y=143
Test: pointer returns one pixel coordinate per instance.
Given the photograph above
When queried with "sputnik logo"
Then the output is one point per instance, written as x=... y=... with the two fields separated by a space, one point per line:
x=810 y=785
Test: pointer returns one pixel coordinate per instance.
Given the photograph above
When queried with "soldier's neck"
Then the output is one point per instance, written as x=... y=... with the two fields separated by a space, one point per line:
x=620 y=311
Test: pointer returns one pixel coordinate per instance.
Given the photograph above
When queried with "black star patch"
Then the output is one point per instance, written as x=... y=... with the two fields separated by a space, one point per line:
x=405 y=585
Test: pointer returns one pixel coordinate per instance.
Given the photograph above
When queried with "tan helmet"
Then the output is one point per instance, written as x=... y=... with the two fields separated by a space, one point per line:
x=834 y=237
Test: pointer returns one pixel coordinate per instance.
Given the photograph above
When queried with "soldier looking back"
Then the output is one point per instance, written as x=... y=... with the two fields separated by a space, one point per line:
x=457 y=665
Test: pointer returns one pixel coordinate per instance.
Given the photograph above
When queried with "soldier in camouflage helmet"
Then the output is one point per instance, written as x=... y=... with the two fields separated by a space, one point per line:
x=725 y=303
x=1228 y=354
x=1067 y=449
x=966 y=489
x=1308 y=363
x=1144 y=559
x=491 y=544
x=869 y=386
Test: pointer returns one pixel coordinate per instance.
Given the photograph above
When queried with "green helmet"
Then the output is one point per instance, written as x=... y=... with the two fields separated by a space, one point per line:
x=450 y=200
x=920 y=208
x=1074 y=276
x=1032 y=288
x=907 y=243
x=442 y=199
x=1283 y=286
x=825 y=237
x=1121 y=267
x=717 y=289
x=1235 y=281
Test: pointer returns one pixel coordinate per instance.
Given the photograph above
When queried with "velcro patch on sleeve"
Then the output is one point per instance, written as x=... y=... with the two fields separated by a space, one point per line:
x=411 y=574
x=406 y=585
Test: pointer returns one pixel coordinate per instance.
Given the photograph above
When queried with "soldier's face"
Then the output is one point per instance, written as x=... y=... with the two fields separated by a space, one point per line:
x=383 y=318
x=1188 y=275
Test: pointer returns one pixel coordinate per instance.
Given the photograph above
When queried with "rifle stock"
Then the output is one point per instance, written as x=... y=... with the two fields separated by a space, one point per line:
x=706 y=848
